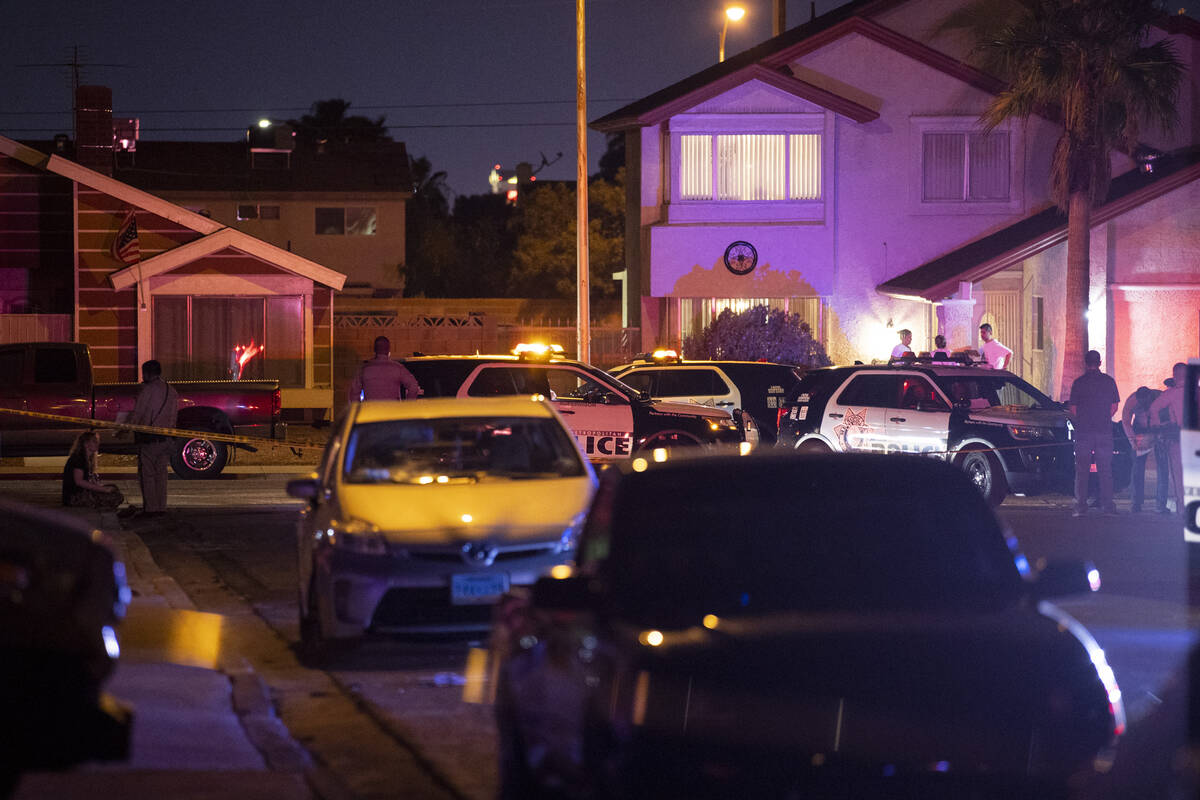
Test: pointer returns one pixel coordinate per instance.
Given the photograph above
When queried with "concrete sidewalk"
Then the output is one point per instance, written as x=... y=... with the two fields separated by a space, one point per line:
x=204 y=726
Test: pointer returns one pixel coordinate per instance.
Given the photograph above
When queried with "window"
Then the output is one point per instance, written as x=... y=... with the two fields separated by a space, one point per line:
x=257 y=212
x=876 y=391
x=690 y=383
x=195 y=337
x=964 y=167
x=54 y=365
x=12 y=368
x=1038 y=324
x=349 y=221
x=750 y=167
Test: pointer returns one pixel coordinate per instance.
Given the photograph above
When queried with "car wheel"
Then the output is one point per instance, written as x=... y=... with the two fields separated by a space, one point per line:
x=984 y=471
x=812 y=446
x=199 y=458
x=315 y=647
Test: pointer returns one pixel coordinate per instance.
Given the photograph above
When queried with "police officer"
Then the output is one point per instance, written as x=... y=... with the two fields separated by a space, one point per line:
x=380 y=378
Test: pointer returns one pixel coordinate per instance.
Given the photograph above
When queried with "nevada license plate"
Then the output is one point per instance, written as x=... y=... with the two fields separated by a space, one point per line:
x=468 y=590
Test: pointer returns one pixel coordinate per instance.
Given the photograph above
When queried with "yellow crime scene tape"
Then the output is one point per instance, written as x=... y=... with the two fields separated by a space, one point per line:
x=174 y=433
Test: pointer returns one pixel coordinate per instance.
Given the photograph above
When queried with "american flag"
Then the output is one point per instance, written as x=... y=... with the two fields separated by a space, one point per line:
x=125 y=247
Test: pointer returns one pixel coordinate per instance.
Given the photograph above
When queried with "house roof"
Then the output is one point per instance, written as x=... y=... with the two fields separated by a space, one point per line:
x=214 y=243
x=939 y=278
x=177 y=214
x=168 y=166
x=774 y=55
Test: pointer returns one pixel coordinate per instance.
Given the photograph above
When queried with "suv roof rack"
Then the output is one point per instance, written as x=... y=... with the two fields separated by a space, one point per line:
x=962 y=358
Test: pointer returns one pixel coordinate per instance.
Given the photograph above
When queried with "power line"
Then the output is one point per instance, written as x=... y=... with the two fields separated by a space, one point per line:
x=416 y=126
x=290 y=109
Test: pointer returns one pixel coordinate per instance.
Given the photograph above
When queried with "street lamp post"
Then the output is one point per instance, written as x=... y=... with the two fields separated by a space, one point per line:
x=582 y=304
x=733 y=13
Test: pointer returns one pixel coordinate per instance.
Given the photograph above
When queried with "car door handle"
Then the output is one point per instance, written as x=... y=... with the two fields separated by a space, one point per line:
x=725 y=403
x=565 y=411
x=835 y=416
x=897 y=419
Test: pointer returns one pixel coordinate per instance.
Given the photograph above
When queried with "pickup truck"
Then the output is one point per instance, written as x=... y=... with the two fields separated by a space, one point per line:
x=56 y=378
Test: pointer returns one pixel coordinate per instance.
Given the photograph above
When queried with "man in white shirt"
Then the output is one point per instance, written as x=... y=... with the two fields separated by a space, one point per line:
x=905 y=346
x=995 y=354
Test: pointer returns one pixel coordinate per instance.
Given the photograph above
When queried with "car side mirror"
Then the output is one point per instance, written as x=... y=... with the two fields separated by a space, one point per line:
x=1192 y=520
x=304 y=488
x=1067 y=577
x=644 y=396
x=563 y=594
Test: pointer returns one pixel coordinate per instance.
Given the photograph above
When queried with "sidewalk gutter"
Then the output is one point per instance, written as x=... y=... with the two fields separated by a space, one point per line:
x=247 y=697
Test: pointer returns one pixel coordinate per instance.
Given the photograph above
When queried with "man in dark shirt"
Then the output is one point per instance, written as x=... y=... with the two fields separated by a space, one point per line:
x=1094 y=400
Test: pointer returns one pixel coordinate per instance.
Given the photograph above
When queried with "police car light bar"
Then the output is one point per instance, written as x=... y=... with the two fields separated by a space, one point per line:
x=663 y=354
x=536 y=350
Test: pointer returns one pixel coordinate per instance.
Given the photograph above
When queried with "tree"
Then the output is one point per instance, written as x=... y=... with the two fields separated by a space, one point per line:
x=1090 y=59
x=328 y=124
x=758 y=333
x=545 y=258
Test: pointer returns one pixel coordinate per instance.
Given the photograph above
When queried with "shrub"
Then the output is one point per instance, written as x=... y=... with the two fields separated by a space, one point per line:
x=758 y=333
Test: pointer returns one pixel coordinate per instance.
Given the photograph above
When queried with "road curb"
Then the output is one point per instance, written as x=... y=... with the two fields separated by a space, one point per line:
x=249 y=696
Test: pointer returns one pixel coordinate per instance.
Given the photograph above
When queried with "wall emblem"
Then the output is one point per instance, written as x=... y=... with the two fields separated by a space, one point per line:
x=741 y=258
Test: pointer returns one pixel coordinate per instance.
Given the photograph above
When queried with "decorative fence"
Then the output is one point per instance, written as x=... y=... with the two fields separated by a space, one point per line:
x=35 y=328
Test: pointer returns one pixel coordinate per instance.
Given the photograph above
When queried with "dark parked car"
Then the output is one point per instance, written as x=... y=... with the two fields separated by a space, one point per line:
x=62 y=595
x=792 y=626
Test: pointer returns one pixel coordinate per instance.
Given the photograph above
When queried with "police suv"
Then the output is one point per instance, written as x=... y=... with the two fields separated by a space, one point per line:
x=610 y=420
x=756 y=387
x=1002 y=431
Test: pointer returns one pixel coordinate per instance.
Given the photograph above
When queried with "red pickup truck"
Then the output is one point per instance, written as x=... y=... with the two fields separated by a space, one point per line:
x=56 y=378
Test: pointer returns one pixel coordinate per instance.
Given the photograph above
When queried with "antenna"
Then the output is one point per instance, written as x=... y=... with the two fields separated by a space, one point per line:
x=76 y=66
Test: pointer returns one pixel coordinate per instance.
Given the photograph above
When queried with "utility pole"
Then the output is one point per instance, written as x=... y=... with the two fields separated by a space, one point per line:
x=582 y=306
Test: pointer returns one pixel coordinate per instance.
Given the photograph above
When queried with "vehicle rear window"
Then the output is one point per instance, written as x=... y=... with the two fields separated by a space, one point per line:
x=54 y=365
x=827 y=539
x=689 y=383
x=435 y=452
x=440 y=378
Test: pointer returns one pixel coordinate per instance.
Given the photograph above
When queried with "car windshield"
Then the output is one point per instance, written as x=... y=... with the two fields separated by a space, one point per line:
x=755 y=544
x=439 y=451
x=985 y=391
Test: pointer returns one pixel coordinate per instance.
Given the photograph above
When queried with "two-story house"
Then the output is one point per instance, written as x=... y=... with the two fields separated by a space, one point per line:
x=839 y=171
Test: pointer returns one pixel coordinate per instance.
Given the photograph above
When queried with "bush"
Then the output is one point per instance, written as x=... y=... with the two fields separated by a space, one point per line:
x=758 y=333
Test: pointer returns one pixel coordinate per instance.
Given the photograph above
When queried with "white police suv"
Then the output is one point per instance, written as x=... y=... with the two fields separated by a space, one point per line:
x=1007 y=435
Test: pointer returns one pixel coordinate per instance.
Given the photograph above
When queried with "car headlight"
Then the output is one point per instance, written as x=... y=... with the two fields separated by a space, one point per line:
x=727 y=424
x=356 y=536
x=570 y=535
x=1030 y=432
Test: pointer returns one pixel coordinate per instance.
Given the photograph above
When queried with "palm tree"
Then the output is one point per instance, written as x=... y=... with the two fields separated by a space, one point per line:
x=328 y=123
x=1090 y=63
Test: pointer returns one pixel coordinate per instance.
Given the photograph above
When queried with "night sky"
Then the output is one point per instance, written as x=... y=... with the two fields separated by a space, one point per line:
x=467 y=83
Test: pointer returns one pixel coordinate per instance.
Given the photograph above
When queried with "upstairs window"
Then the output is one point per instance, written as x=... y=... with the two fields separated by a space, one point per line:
x=750 y=167
x=349 y=221
x=958 y=167
x=257 y=212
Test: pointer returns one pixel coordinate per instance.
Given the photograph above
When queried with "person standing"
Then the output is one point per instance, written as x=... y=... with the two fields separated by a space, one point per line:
x=1094 y=399
x=157 y=406
x=381 y=378
x=905 y=346
x=1166 y=419
x=1135 y=419
x=81 y=486
x=995 y=354
x=940 y=351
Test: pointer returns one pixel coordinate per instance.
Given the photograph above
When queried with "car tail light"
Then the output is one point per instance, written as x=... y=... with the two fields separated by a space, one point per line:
x=779 y=417
x=276 y=403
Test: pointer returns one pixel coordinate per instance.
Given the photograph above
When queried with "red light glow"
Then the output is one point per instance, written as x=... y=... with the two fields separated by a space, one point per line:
x=242 y=353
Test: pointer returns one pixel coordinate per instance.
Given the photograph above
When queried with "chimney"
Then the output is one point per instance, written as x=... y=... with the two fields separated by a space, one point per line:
x=94 y=128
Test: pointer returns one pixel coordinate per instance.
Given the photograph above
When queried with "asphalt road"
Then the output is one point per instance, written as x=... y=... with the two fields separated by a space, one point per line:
x=230 y=545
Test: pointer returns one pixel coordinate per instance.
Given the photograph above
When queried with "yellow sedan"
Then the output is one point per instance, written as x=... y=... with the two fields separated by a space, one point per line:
x=423 y=513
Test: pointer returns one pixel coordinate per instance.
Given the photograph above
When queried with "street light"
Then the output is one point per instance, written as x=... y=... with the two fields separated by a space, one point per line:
x=733 y=13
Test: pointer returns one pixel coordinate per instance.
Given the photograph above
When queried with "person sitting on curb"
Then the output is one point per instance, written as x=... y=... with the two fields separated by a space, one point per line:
x=81 y=486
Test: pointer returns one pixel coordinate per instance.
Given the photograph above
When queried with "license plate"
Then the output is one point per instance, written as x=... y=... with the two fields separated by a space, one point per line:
x=468 y=590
